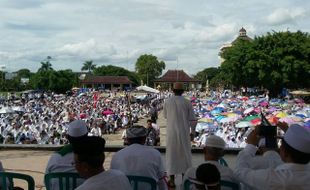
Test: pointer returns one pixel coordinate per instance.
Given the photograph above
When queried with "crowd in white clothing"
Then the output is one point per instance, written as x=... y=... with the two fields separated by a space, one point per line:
x=44 y=118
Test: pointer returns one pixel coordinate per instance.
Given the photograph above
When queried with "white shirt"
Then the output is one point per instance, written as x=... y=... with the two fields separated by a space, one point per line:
x=288 y=176
x=61 y=163
x=96 y=131
x=106 y=180
x=140 y=160
x=179 y=113
x=270 y=159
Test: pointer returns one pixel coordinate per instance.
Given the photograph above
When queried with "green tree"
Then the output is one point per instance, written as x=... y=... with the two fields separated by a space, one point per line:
x=207 y=74
x=236 y=58
x=273 y=61
x=149 y=68
x=56 y=81
x=111 y=70
x=88 y=66
x=46 y=64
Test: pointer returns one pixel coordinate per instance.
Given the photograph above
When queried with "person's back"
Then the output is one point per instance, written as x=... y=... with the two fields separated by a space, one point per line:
x=107 y=180
x=139 y=159
x=213 y=151
x=180 y=118
x=63 y=160
x=89 y=158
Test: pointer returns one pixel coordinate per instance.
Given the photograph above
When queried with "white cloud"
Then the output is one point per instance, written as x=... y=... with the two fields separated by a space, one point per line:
x=89 y=48
x=118 y=31
x=220 y=33
x=283 y=16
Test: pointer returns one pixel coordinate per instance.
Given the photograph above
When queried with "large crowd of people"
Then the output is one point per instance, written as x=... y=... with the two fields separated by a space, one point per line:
x=42 y=118
x=221 y=118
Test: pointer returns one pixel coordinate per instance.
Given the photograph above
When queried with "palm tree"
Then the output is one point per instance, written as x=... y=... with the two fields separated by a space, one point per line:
x=88 y=66
x=46 y=65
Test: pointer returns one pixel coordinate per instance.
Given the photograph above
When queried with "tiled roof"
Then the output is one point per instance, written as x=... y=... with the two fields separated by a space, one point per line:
x=106 y=80
x=176 y=76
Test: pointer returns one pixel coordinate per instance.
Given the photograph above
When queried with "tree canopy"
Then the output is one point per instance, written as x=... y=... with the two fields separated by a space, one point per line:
x=149 y=68
x=88 y=66
x=207 y=74
x=273 y=61
x=46 y=64
x=111 y=70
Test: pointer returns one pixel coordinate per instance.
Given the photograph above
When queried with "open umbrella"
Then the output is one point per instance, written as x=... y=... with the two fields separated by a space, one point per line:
x=251 y=117
x=281 y=114
x=256 y=121
x=249 y=110
x=205 y=120
x=107 y=112
x=244 y=124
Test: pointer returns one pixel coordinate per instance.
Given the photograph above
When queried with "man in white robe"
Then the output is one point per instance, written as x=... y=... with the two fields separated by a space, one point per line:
x=181 y=121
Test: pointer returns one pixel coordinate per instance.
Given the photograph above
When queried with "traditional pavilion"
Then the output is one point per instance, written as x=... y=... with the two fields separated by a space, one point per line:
x=172 y=76
x=106 y=82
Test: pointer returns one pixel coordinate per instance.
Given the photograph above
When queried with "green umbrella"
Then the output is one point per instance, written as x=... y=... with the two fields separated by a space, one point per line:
x=251 y=117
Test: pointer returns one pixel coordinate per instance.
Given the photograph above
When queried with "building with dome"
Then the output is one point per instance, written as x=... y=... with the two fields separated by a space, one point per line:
x=242 y=36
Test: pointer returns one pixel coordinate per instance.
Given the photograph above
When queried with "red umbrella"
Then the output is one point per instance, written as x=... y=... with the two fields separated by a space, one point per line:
x=107 y=112
x=83 y=115
x=256 y=121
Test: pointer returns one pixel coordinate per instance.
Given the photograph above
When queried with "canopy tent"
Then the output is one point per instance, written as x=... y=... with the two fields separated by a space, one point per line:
x=147 y=89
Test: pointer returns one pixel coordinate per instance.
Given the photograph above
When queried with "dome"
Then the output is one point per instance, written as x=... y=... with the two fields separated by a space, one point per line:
x=242 y=30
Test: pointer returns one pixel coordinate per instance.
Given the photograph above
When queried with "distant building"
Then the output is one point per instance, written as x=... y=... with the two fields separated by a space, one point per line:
x=106 y=82
x=172 y=76
x=242 y=36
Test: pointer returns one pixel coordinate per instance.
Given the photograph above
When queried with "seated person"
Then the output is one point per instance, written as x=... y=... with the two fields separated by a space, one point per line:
x=62 y=161
x=89 y=158
x=213 y=151
x=139 y=159
x=206 y=177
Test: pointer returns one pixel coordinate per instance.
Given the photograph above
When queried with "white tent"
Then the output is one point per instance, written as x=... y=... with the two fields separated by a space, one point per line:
x=5 y=110
x=147 y=89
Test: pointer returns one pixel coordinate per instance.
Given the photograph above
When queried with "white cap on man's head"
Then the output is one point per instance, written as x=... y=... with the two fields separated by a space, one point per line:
x=298 y=137
x=215 y=141
x=77 y=128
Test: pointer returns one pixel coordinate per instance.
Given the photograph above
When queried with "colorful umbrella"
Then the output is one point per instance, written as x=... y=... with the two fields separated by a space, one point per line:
x=281 y=114
x=244 y=124
x=251 y=117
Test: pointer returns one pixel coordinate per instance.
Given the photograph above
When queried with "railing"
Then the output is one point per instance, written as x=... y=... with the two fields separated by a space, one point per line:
x=108 y=148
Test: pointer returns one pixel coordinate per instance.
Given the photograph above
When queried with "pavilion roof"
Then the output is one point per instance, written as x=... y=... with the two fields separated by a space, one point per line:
x=176 y=76
x=90 y=79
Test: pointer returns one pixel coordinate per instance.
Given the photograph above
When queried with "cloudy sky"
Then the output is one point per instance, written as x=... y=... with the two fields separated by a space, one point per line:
x=186 y=34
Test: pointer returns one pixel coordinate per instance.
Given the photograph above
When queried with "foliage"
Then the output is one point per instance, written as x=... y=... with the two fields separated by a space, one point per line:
x=149 y=68
x=207 y=74
x=56 y=81
x=273 y=61
x=46 y=64
x=88 y=66
x=111 y=70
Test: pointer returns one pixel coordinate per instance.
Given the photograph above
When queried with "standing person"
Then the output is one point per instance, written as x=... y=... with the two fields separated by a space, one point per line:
x=181 y=122
x=293 y=174
x=154 y=112
x=152 y=138
x=62 y=161
x=89 y=158
x=139 y=159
